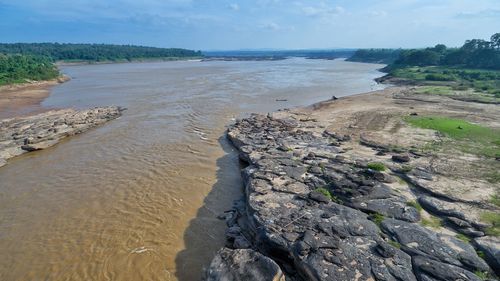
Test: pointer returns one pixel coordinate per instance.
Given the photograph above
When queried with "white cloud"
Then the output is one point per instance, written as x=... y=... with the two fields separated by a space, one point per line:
x=322 y=10
x=378 y=13
x=489 y=13
x=270 y=26
x=234 y=7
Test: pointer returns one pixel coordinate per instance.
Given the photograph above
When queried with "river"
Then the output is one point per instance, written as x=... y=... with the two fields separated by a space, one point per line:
x=137 y=198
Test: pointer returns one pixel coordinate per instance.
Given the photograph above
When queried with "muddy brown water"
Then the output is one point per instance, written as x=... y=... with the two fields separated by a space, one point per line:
x=137 y=198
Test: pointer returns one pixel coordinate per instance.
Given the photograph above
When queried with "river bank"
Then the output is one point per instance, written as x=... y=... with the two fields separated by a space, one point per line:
x=352 y=189
x=25 y=98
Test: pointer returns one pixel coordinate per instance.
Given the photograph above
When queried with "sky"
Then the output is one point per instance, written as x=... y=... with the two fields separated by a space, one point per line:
x=246 y=24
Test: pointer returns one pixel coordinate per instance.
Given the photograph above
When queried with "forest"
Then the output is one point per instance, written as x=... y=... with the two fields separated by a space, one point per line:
x=95 y=52
x=475 y=53
x=21 y=62
x=20 y=68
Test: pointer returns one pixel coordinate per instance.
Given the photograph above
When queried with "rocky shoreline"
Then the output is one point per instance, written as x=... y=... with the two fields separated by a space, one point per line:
x=315 y=207
x=26 y=134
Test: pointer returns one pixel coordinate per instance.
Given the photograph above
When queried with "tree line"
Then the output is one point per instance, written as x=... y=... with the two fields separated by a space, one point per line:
x=475 y=53
x=386 y=56
x=19 y=68
x=94 y=52
x=20 y=62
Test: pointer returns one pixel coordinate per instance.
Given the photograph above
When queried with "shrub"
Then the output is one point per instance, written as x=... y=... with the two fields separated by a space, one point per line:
x=377 y=166
x=438 y=77
x=325 y=192
x=377 y=218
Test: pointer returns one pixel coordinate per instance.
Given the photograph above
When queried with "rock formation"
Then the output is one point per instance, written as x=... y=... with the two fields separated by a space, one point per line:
x=320 y=215
x=25 y=134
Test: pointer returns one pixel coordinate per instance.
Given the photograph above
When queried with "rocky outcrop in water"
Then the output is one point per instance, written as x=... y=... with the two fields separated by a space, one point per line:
x=322 y=216
x=25 y=134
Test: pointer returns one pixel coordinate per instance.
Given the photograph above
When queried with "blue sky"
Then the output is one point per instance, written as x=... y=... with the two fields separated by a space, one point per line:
x=226 y=24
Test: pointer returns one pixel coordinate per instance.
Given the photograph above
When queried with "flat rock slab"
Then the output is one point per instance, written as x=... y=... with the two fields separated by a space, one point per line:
x=25 y=134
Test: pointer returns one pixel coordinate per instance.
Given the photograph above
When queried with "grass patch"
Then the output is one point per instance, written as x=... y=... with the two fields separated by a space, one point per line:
x=415 y=205
x=463 y=237
x=483 y=275
x=495 y=200
x=435 y=90
x=401 y=181
x=377 y=166
x=493 y=219
x=468 y=137
x=433 y=222
x=394 y=244
x=493 y=177
x=481 y=254
x=377 y=218
x=325 y=192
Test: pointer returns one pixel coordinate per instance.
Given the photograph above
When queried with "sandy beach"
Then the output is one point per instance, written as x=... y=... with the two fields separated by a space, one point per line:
x=24 y=99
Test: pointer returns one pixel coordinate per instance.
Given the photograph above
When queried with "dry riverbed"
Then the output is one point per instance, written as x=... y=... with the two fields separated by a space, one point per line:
x=361 y=188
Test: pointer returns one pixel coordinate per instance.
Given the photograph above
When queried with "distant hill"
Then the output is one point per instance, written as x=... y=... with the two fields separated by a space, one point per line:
x=95 y=52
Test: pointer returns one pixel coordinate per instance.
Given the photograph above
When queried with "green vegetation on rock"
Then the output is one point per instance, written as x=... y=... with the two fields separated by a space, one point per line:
x=482 y=275
x=495 y=199
x=492 y=218
x=377 y=218
x=394 y=244
x=23 y=68
x=325 y=192
x=415 y=205
x=463 y=237
x=433 y=222
x=377 y=166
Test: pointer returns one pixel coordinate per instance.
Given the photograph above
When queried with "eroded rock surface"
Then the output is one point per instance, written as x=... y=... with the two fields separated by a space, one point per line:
x=243 y=264
x=25 y=134
x=323 y=216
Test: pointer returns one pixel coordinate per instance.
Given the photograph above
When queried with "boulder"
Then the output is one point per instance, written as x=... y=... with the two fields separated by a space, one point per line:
x=401 y=158
x=243 y=265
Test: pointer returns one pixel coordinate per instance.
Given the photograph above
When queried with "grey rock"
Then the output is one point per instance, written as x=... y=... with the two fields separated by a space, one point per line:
x=243 y=265
x=401 y=158
x=490 y=246
x=419 y=241
x=429 y=269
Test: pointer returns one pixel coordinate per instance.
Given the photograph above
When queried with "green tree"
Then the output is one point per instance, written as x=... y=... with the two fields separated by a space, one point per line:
x=495 y=41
